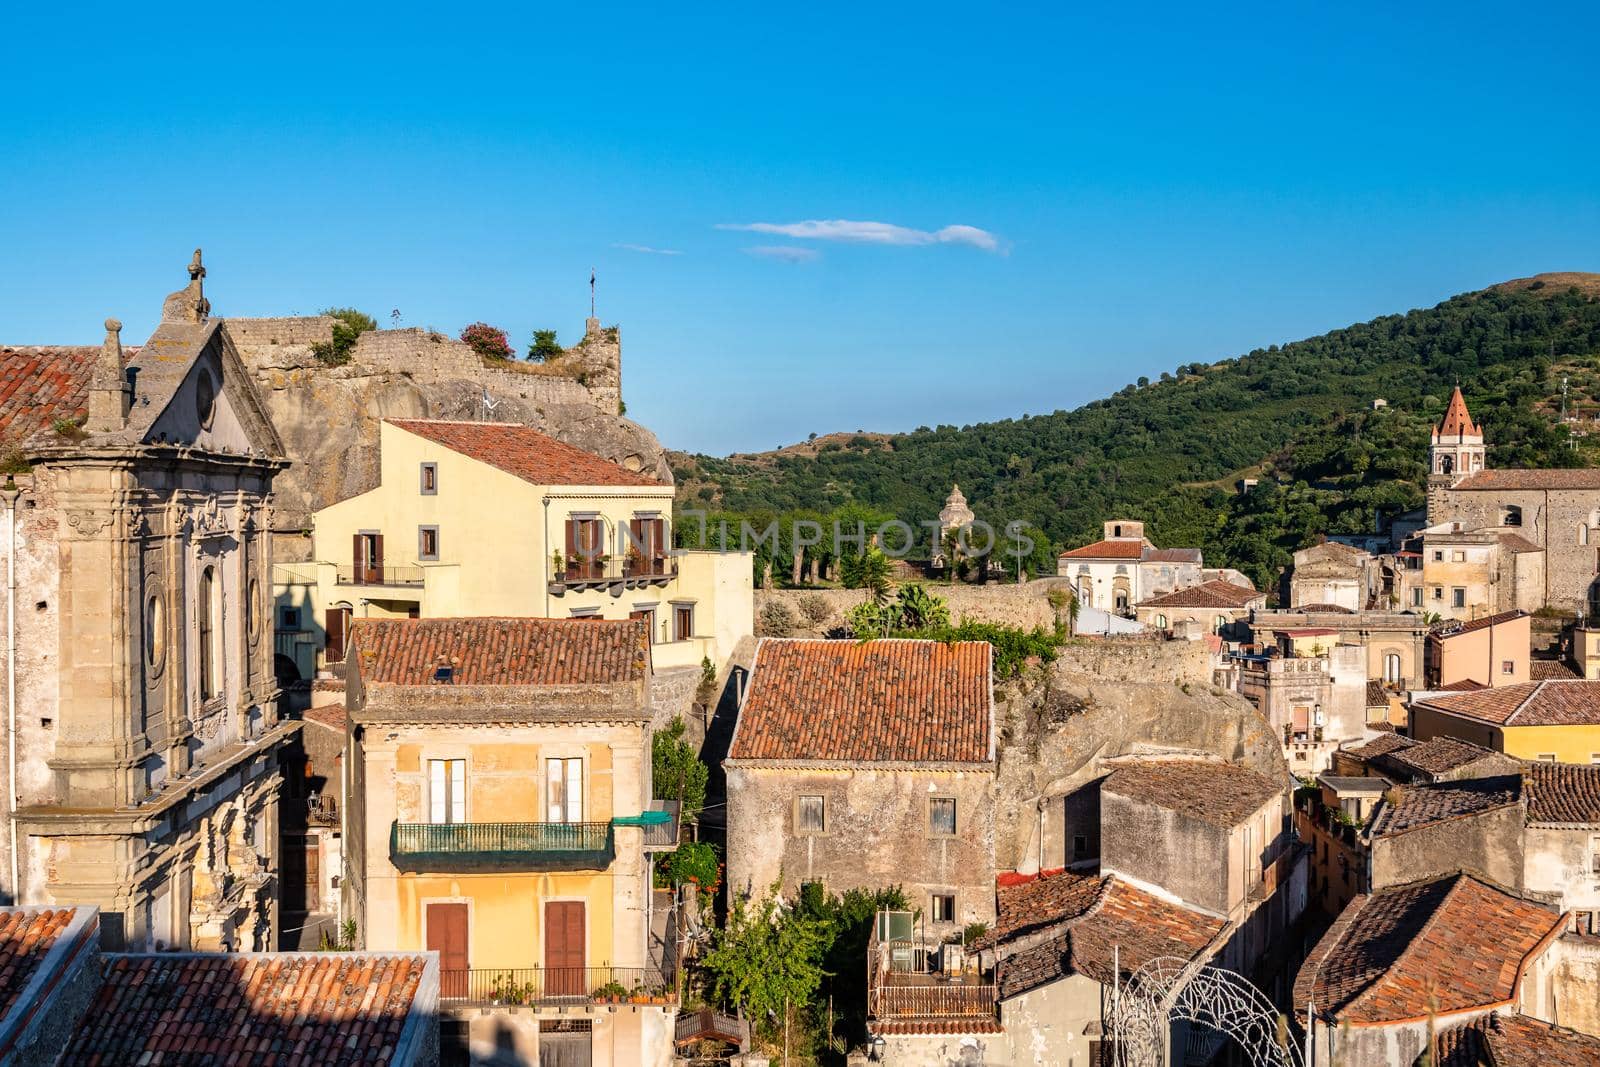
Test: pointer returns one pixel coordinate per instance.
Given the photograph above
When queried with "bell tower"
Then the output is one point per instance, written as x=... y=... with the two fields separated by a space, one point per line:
x=1456 y=453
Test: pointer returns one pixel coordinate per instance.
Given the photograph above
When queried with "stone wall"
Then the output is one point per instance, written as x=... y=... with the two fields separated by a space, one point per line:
x=1551 y=519
x=328 y=416
x=1008 y=603
x=1488 y=845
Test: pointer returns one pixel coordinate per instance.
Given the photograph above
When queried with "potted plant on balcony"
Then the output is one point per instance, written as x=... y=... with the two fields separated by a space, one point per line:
x=633 y=563
x=611 y=993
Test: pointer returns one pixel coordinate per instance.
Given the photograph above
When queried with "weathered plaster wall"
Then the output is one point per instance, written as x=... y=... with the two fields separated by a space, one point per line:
x=1556 y=867
x=1488 y=845
x=999 y=602
x=945 y=1050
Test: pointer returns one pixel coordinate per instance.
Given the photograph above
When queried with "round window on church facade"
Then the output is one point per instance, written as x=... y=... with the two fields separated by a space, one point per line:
x=155 y=636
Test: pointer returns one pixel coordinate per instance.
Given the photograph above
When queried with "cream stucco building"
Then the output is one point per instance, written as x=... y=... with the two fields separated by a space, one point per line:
x=477 y=519
x=499 y=813
x=143 y=738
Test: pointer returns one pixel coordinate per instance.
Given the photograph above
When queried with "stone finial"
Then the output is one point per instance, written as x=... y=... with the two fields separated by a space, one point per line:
x=110 y=395
x=189 y=304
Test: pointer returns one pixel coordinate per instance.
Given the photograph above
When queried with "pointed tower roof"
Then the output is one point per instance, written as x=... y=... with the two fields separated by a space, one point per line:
x=1457 y=420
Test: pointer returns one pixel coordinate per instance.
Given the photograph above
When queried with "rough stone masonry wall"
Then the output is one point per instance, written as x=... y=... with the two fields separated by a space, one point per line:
x=328 y=416
x=1007 y=603
x=1551 y=519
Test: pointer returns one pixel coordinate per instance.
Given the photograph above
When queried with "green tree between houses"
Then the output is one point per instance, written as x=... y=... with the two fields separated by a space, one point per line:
x=678 y=771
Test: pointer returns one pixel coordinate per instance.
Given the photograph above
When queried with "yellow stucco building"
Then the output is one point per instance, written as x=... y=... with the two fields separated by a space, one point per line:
x=500 y=814
x=1556 y=721
x=482 y=518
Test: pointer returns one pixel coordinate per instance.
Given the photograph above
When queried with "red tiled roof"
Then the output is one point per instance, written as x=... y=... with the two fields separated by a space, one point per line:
x=330 y=715
x=1544 y=670
x=1563 y=793
x=1453 y=629
x=1518 y=544
x=1379 y=746
x=1024 y=906
x=26 y=937
x=42 y=383
x=1514 y=1041
x=1118 y=548
x=1553 y=702
x=1377 y=695
x=267 y=1010
x=1573 y=478
x=1212 y=594
x=1391 y=953
x=965 y=1024
x=1462 y=685
x=1457 y=421
x=1219 y=793
x=492 y=651
x=1438 y=755
x=1121 y=926
x=524 y=452
x=889 y=701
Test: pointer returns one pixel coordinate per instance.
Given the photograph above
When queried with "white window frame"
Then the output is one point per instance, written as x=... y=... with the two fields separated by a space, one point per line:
x=447 y=791
x=563 y=789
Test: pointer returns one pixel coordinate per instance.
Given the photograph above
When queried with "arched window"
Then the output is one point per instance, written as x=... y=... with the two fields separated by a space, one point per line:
x=1511 y=515
x=1391 y=668
x=210 y=612
x=1447 y=463
x=1161 y=622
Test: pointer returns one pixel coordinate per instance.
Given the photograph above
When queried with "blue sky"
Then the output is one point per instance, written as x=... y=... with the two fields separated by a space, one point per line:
x=1129 y=191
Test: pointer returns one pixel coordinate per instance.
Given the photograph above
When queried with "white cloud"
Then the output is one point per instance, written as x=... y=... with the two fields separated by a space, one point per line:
x=648 y=250
x=784 y=253
x=879 y=233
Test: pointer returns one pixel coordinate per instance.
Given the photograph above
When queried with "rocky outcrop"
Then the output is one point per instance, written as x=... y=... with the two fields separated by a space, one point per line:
x=1098 y=700
x=328 y=416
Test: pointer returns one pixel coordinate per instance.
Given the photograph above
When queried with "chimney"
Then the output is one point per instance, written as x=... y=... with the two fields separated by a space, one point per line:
x=110 y=395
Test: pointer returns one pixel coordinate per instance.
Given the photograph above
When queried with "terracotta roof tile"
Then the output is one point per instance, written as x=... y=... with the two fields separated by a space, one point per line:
x=1553 y=702
x=1563 y=793
x=1171 y=555
x=26 y=937
x=330 y=715
x=1219 y=793
x=1379 y=746
x=1122 y=926
x=524 y=452
x=966 y=1024
x=267 y=1010
x=1518 y=544
x=1545 y=670
x=1323 y=609
x=1437 y=755
x=1454 y=939
x=1118 y=548
x=1022 y=907
x=42 y=383
x=1452 y=628
x=1514 y=1041
x=1575 y=478
x=1377 y=695
x=495 y=651
x=1429 y=803
x=868 y=702
x=1212 y=594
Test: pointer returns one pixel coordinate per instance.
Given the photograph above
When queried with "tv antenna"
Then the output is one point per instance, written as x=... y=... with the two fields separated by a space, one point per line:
x=489 y=404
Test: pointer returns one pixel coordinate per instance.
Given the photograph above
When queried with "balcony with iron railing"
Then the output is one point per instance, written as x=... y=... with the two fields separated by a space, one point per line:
x=322 y=811
x=522 y=846
x=631 y=571
x=899 y=992
x=385 y=574
x=553 y=987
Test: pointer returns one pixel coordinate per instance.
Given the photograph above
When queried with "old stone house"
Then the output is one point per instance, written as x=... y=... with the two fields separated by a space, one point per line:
x=1157 y=815
x=1470 y=573
x=1556 y=512
x=861 y=765
x=499 y=812
x=1333 y=575
x=142 y=713
x=1214 y=607
x=1429 y=955
x=1313 y=693
x=1393 y=642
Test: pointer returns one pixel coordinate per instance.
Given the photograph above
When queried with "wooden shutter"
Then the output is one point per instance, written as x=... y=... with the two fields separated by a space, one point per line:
x=563 y=947
x=638 y=541
x=335 y=626
x=447 y=935
x=377 y=556
x=358 y=557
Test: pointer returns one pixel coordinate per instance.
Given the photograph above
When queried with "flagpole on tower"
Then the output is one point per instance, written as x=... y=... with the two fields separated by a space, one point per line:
x=591 y=292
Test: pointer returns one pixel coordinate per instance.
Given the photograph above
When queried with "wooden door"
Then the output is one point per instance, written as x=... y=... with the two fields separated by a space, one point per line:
x=563 y=948
x=447 y=935
x=313 y=873
x=336 y=627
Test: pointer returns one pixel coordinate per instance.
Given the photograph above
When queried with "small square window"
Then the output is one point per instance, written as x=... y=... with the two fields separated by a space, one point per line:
x=428 y=542
x=1438 y=592
x=430 y=479
x=942 y=816
x=944 y=908
x=810 y=816
x=1458 y=597
x=1438 y=555
x=289 y=619
x=1507 y=667
x=1080 y=846
x=1458 y=556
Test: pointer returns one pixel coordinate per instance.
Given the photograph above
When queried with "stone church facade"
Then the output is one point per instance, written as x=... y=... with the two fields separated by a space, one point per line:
x=1553 y=511
x=142 y=733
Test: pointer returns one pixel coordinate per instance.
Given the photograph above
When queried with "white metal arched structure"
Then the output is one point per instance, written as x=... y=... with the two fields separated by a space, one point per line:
x=1167 y=989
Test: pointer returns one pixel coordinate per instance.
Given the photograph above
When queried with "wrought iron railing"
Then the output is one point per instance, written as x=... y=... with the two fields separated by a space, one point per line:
x=894 y=993
x=380 y=574
x=581 y=569
x=555 y=986
x=322 y=811
x=468 y=841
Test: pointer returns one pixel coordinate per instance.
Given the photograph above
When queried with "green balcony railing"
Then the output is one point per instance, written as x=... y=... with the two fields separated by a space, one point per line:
x=527 y=845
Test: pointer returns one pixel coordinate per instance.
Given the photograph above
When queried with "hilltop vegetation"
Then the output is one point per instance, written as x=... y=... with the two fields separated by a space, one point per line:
x=1299 y=417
